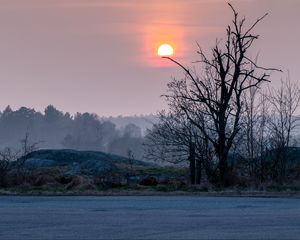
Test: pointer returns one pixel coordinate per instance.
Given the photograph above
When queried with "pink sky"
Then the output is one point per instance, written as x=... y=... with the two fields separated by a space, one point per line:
x=99 y=55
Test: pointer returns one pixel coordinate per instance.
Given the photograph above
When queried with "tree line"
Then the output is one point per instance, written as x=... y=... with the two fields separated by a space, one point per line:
x=54 y=129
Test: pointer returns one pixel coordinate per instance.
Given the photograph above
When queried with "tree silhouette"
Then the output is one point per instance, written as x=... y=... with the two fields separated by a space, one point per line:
x=212 y=100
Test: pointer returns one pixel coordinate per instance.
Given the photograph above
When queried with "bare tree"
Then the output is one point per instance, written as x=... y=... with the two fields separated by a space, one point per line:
x=26 y=148
x=212 y=100
x=169 y=139
x=249 y=121
x=7 y=156
x=283 y=121
x=172 y=140
x=262 y=135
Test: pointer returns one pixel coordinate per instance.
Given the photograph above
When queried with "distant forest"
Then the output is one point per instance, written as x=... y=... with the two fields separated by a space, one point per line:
x=55 y=129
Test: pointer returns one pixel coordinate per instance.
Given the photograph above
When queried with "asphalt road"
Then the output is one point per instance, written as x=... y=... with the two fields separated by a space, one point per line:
x=183 y=217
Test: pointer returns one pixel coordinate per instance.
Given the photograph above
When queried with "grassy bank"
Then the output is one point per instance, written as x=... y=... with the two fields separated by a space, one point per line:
x=150 y=191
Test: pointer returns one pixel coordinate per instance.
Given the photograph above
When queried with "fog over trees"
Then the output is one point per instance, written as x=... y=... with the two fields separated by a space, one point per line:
x=54 y=129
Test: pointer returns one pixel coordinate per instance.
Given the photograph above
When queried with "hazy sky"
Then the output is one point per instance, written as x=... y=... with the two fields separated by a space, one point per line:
x=99 y=55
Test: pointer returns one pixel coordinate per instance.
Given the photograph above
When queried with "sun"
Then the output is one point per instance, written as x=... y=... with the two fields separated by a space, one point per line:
x=165 y=50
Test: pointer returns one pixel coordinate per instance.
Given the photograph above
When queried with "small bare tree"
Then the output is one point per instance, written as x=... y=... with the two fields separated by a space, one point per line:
x=282 y=122
x=7 y=156
x=172 y=140
x=262 y=135
x=26 y=148
x=250 y=121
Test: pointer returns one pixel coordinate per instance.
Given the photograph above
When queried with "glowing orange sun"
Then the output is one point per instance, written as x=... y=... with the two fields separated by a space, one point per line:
x=165 y=50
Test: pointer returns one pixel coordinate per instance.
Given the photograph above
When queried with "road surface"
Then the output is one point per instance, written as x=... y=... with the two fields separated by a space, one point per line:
x=180 y=217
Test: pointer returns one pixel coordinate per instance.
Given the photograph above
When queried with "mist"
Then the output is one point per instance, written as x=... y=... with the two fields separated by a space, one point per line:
x=54 y=129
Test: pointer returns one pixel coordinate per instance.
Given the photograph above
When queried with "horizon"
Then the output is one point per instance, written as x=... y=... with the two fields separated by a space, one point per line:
x=42 y=111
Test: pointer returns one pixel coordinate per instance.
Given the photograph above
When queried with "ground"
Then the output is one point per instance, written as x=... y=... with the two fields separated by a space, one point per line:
x=148 y=217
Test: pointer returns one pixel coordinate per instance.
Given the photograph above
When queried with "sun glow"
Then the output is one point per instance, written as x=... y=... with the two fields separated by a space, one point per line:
x=165 y=50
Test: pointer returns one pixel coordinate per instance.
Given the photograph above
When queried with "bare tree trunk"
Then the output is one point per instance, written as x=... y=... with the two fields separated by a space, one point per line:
x=192 y=160
x=222 y=154
x=262 y=135
x=198 y=171
x=223 y=170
